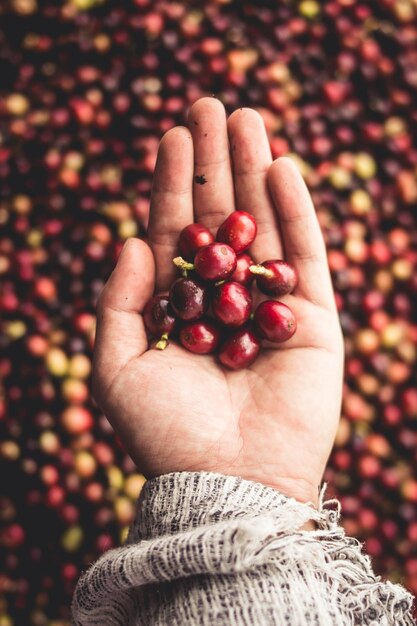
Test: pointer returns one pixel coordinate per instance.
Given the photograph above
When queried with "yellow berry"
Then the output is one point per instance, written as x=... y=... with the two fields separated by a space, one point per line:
x=309 y=9
x=365 y=166
x=133 y=485
x=57 y=362
x=72 y=538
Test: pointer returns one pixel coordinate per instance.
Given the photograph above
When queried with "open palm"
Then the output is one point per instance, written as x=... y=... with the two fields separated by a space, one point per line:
x=273 y=422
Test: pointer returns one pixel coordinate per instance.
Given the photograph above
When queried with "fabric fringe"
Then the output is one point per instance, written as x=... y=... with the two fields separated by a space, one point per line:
x=327 y=579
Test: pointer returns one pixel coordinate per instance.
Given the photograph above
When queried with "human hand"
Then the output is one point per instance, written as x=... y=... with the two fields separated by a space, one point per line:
x=273 y=422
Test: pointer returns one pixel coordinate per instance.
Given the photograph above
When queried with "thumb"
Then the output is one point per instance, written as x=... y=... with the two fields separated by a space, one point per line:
x=121 y=334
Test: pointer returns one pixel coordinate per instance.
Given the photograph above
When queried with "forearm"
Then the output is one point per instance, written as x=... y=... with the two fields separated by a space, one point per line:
x=211 y=549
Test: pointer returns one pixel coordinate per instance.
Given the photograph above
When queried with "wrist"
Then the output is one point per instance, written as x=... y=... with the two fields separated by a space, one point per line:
x=179 y=501
x=301 y=491
x=297 y=488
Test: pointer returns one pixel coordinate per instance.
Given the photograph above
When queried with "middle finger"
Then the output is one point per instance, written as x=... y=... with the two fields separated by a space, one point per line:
x=213 y=194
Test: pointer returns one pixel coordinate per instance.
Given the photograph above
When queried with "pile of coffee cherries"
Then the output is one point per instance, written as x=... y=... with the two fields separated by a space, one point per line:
x=209 y=307
x=88 y=88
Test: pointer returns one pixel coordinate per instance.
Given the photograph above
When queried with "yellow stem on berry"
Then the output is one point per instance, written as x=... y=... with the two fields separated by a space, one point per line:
x=163 y=342
x=260 y=270
x=182 y=264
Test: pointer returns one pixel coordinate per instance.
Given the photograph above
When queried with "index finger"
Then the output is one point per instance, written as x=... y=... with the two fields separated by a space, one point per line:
x=301 y=233
x=171 y=201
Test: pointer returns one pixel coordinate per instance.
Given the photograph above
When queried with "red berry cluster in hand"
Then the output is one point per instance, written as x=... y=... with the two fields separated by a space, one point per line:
x=211 y=304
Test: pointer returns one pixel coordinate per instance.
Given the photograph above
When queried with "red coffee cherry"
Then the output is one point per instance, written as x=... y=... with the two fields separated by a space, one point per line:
x=192 y=238
x=158 y=316
x=275 y=321
x=240 y=349
x=242 y=273
x=217 y=261
x=188 y=298
x=231 y=304
x=238 y=231
x=275 y=277
x=200 y=337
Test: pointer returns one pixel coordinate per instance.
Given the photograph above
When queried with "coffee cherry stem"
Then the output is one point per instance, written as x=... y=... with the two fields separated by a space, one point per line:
x=182 y=264
x=260 y=270
x=163 y=342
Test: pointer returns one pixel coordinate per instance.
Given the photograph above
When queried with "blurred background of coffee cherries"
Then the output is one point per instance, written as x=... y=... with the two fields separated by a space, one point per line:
x=87 y=89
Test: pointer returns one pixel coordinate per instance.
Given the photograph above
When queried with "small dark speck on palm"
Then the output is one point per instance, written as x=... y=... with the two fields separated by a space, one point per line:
x=200 y=180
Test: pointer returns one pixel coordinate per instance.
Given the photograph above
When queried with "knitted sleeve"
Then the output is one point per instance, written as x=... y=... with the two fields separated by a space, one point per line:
x=213 y=550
